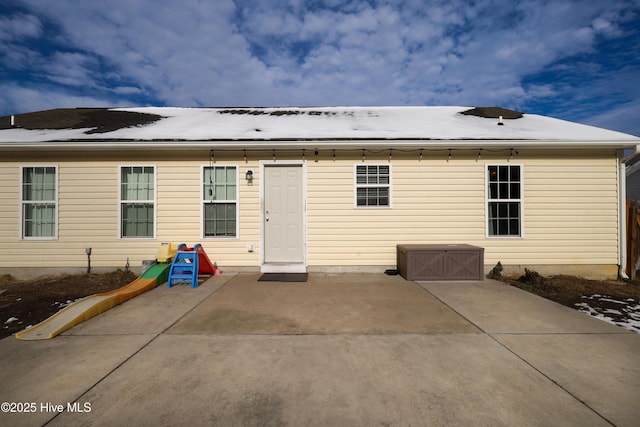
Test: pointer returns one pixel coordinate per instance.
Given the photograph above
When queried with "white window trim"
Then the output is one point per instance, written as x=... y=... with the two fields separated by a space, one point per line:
x=22 y=203
x=155 y=200
x=520 y=200
x=203 y=201
x=356 y=186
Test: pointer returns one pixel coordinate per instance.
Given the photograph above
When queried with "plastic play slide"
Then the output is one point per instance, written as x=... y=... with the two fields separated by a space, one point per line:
x=92 y=305
x=206 y=266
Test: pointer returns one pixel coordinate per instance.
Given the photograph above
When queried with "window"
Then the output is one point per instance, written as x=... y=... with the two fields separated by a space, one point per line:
x=39 y=202
x=137 y=201
x=220 y=200
x=504 y=200
x=373 y=185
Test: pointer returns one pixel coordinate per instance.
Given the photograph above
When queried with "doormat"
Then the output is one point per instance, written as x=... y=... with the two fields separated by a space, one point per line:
x=284 y=277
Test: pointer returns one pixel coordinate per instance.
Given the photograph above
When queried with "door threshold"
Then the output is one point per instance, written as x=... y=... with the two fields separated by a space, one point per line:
x=283 y=268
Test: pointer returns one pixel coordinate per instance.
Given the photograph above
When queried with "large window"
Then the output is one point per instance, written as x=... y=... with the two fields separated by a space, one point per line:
x=373 y=185
x=39 y=202
x=504 y=200
x=220 y=201
x=137 y=201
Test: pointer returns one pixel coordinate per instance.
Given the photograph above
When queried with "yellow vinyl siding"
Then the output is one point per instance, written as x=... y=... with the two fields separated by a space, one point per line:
x=569 y=206
x=420 y=193
x=9 y=204
x=178 y=202
x=569 y=211
x=88 y=212
x=180 y=211
x=87 y=203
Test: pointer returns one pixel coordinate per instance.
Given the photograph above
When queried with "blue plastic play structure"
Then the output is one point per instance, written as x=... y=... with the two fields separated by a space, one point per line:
x=188 y=263
x=184 y=269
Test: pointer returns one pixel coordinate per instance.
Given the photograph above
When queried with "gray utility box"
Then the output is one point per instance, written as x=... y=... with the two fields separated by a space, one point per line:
x=440 y=262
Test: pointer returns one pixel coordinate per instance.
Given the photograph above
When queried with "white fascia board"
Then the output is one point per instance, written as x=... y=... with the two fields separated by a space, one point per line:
x=266 y=144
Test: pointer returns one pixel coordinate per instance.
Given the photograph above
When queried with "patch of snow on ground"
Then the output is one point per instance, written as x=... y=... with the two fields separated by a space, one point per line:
x=10 y=320
x=62 y=305
x=625 y=314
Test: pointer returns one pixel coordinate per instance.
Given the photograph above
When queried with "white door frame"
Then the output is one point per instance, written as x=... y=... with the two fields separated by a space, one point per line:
x=283 y=268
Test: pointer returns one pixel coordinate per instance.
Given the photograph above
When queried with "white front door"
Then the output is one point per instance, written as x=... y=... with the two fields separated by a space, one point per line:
x=283 y=217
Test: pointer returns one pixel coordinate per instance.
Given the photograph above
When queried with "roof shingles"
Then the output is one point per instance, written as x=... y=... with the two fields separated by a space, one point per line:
x=153 y=124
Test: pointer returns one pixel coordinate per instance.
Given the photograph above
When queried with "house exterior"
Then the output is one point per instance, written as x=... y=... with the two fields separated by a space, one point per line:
x=309 y=189
x=633 y=180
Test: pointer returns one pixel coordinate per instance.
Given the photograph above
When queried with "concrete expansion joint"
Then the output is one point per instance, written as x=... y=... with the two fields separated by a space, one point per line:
x=554 y=382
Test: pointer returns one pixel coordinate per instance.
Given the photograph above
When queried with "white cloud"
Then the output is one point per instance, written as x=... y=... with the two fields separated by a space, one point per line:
x=126 y=90
x=24 y=100
x=19 y=26
x=315 y=53
x=15 y=33
x=71 y=69
x=624 y=118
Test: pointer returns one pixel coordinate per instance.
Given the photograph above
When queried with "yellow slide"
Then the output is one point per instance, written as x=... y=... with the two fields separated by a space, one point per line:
x=92 y=305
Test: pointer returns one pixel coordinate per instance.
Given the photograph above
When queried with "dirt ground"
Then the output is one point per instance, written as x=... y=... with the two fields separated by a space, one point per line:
x=618 y=301
x=24 y=303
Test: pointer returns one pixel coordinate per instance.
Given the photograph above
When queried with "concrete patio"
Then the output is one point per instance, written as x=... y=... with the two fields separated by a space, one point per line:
x=340 y=349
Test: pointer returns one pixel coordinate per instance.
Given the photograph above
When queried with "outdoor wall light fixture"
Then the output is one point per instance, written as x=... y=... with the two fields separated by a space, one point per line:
x=88 y=252
x=249 y=177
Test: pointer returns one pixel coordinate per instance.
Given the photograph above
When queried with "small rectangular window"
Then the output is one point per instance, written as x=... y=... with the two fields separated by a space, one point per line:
x=220 y=201
x=504 y=200
x=39 y=197
x=137 y=201
x=373 y=185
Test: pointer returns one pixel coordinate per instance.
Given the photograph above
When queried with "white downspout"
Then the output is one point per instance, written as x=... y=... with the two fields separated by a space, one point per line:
x=622 y=210
x=622 y=216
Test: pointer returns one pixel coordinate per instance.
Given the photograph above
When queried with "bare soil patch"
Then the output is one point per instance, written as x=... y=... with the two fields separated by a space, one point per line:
x=24 y=303
x=615 y=301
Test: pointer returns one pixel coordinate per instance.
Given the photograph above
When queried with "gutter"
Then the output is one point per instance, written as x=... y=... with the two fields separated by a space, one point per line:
x=230 y=144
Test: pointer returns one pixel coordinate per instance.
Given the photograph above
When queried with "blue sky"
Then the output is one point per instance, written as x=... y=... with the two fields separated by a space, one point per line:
x=576 y=60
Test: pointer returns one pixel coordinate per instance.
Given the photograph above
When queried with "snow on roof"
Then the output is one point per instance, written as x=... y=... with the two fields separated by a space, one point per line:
x=313 y=123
